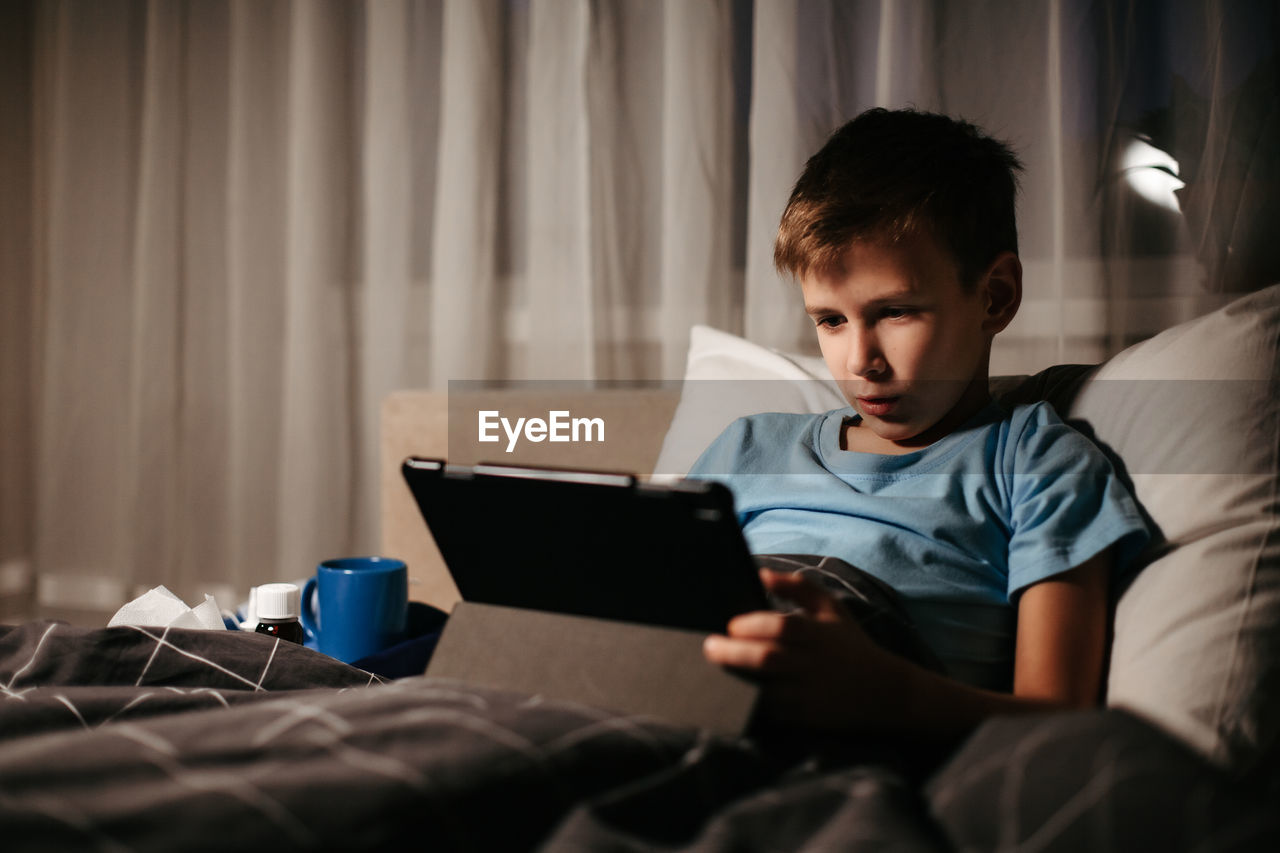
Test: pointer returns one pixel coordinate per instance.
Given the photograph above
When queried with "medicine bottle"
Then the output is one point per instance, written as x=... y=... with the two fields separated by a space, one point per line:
x=278 y=611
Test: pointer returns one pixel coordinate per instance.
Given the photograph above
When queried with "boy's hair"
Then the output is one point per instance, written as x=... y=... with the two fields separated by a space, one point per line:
x=886 y=175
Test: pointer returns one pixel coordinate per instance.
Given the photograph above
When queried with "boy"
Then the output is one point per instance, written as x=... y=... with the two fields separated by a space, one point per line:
x=998 y=528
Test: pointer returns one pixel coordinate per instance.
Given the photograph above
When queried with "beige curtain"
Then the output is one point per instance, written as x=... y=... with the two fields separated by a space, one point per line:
x=230 y=228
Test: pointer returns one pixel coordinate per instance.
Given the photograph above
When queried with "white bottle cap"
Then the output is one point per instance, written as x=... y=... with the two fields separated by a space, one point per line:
x=277 y=601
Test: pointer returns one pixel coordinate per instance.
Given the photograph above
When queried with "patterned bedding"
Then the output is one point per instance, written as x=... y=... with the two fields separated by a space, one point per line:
x=154 y=739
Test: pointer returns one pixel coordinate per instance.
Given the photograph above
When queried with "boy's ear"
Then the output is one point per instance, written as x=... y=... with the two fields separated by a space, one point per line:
x=1002 y=285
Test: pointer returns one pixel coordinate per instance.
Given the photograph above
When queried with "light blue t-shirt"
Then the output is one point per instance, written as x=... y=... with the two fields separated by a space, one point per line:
x=958 y=528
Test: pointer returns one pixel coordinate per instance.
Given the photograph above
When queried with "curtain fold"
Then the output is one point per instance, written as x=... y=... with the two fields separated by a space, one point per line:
x=256 y=189
x=464 y=271
x=556 y=290
x=780 y=144
x=231 y=228
x=385 y=279
x=18 y=298
x=318 y=424
x=698 y=282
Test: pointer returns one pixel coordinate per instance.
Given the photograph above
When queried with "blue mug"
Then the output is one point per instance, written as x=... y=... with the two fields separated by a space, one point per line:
x=356 y=606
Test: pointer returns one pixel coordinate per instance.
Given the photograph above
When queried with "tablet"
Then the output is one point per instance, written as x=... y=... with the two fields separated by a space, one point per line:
x=589 y=543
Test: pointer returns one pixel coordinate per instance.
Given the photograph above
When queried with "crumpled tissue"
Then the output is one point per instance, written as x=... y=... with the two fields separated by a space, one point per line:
x=160 y=608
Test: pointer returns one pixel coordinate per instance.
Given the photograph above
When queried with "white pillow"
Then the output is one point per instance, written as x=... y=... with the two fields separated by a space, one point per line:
x=1194 y=415
x=727 y=377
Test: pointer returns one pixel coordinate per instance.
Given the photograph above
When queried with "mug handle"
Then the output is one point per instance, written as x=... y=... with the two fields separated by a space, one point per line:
x=306 y=610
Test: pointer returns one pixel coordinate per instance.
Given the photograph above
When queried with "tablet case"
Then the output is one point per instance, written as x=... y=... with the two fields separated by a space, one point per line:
x=642 y=670
x=591 y=588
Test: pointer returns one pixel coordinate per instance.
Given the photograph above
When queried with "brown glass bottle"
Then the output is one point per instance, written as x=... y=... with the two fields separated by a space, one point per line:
x=285 y=629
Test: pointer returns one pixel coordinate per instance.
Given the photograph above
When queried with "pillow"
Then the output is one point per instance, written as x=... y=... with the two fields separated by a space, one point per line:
x=727 y=377
x=1193 y=415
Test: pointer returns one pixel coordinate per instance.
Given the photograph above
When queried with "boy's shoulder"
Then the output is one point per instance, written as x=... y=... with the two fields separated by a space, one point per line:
x=1029 y=418
x=760 y=438
x=1038 y=436
x=783 y=420
x=1029 y=415
x=778 y=426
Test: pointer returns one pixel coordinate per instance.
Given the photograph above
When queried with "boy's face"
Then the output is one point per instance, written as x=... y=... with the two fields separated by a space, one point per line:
x=907 y=345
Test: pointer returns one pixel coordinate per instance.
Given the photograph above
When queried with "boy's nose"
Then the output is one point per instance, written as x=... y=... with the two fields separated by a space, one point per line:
x=865 y=359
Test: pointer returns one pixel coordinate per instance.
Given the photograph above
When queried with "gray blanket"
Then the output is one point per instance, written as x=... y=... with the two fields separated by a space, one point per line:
x=147 y=739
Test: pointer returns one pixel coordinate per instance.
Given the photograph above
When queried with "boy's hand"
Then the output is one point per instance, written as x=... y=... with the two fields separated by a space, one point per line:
x=818 y=668
x=816 y=665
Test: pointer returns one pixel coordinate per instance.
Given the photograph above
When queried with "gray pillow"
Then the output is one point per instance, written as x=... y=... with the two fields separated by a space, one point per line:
x=1193 y=415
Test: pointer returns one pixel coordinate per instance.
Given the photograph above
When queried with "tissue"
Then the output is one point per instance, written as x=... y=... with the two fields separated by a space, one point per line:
x=160 y=608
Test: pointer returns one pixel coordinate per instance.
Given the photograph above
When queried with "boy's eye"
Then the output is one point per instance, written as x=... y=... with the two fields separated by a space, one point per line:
x=895 y=312
x=830 y=321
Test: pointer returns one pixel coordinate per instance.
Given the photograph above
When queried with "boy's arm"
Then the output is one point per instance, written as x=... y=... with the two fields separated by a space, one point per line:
x=1062 y=636
x=820 y=669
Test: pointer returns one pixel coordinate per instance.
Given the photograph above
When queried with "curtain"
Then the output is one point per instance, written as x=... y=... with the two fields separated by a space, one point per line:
x=231 y=227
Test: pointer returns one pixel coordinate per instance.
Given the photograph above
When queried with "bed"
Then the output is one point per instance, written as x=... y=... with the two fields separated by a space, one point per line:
x=135 y=738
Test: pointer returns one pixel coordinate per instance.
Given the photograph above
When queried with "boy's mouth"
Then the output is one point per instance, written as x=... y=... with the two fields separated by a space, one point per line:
x=877 y=406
